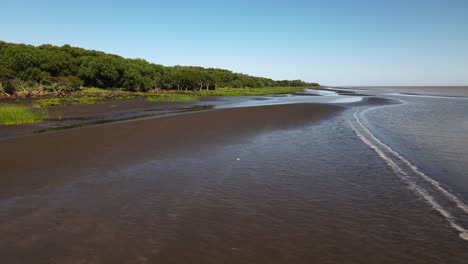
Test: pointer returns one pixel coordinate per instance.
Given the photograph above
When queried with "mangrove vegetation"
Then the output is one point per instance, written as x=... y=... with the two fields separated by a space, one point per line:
x=47 y=68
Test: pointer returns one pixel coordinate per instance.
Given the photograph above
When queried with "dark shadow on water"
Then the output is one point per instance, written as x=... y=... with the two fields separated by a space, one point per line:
x=107 y=121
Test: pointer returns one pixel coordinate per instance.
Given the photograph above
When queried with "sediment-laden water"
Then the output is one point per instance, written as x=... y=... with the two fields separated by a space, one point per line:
x=380 y=179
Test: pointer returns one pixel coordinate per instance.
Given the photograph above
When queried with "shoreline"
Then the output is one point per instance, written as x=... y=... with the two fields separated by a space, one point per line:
x=23 y=115
x=75 y=114
x=116 y=94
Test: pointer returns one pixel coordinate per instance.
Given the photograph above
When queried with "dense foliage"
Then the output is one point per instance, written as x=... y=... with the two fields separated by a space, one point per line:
x=68 y=68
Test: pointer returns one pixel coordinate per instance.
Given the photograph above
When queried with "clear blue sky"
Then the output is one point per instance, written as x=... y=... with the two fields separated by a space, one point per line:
x=334 y=42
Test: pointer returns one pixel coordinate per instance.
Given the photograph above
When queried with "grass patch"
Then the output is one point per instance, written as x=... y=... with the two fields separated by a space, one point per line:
x=86 y=100
x=93 y=95
x=20 y=115
x=172 y=98
x=97 y=90
x=47 y=102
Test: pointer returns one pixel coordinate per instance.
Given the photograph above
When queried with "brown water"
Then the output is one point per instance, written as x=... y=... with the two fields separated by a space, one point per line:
x=348 y=189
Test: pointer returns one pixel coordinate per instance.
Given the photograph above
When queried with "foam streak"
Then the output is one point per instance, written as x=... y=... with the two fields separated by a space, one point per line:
x=415 y=169
x=413 y=185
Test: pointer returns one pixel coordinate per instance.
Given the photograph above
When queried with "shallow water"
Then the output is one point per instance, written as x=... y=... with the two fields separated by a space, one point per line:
x=434 y=132
x=325 y=97
x=326 y=192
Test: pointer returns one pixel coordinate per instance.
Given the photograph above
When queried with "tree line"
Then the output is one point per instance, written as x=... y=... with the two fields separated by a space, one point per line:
x=68 y=68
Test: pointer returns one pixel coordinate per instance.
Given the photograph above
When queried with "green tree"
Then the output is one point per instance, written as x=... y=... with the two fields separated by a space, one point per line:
x=67 y=68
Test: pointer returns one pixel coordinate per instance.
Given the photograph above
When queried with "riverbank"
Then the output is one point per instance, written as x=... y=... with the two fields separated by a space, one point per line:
x=93 y=104
x=92 y=95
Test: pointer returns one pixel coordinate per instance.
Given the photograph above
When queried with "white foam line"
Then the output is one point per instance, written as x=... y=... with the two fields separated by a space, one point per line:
x=413 y=186
x=460 y=204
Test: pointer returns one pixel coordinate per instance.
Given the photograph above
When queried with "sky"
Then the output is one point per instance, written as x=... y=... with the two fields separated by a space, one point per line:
x=333 y=42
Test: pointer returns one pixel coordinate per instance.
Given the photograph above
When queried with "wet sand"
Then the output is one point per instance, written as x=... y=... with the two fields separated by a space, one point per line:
x=65 y=153
x=271 y=184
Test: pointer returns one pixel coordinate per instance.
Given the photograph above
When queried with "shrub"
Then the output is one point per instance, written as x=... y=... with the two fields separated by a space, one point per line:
x=68 y=83
x=8 y=87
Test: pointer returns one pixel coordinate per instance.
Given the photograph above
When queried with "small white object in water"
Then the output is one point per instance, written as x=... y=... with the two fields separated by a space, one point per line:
x=238 y=158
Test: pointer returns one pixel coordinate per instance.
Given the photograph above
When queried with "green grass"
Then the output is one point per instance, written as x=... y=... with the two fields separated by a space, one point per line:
x=20 y=115
x=172 y=98
x=86 y=100
x=96 y=90
x=47 y=102
x=249 y=91
x=96 y=94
